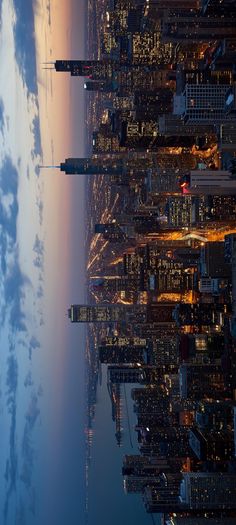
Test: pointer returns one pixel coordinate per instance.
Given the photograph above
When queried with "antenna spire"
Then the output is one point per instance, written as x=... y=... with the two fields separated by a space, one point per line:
x=49 y=167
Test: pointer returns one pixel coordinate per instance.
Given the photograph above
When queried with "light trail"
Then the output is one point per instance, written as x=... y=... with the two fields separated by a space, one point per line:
x=97 y=255
x=177 y=297
x=205 y=235
x=122 y=301
x=116 y=261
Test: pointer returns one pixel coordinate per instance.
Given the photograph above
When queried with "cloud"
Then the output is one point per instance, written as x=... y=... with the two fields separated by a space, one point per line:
x=8 y=177
x=40 y=390
x=8 y=216
x=12 y=280
x=37 y=137
x=40 y=292
x=28 y=380
x=38 y=246
x=39 y=204
x=3 y=251
x=39 y=250
x=28 y=452
x=25 y=51
x=20 y=518
x=14 y=294
x=34 y=345
x=37 y=262
x=37 y=170
x=52 y=150
x=1 y=106
x=48 y=7
x=12 y=376
x=12 y=461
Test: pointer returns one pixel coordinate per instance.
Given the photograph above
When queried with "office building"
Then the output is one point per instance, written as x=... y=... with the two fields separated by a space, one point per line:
x=164 y=495
x=94 y=166
x=130 y=374
x=107 y=313
x=124 y=350
x=202 y=103
x=209 y=182
x=212 y=445
x=199 y=381
x=203 y=490
x=195 y=28
x=199 y=520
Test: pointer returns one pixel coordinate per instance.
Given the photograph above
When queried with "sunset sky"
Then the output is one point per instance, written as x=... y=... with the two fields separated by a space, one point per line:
x=42 y=263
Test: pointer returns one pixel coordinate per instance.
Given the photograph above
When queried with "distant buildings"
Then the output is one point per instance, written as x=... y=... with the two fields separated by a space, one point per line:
x=162 y=262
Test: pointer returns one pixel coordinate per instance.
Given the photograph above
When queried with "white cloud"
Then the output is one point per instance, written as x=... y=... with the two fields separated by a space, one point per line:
x=21 y=221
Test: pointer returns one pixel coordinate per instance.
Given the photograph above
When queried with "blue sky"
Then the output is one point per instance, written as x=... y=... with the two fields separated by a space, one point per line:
x=41 y=358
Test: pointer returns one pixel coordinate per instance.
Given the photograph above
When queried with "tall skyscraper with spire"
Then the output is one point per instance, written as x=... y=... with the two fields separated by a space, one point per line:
x=91 y=69
x=87 y=166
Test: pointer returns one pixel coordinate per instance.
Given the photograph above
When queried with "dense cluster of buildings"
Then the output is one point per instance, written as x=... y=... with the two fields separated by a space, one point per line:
x=164 y=294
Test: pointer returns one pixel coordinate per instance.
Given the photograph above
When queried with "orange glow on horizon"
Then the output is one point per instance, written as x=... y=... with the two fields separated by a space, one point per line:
x=53 y=41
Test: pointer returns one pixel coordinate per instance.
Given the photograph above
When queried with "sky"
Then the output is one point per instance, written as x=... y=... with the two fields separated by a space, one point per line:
x=42 y=272
x=42 y=266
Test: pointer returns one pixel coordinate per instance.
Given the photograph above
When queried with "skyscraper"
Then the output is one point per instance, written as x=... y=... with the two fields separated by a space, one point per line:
x=124 y=350
x=94 y=166
x=106 y=313
x=130 y=374
x=208 y=491
x=209 y=182
x=199 y=381
x=91 y=69
x=195 y=28
x=203 y=104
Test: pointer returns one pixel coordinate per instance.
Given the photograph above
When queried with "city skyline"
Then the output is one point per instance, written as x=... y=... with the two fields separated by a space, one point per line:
x=118 y=315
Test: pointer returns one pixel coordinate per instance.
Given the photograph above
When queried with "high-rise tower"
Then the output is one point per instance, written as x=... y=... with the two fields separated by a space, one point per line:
x=87 y=166
x=107 y=313
x=91 y=69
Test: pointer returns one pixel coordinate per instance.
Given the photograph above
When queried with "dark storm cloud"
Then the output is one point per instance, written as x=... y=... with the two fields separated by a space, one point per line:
x=24 y=36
